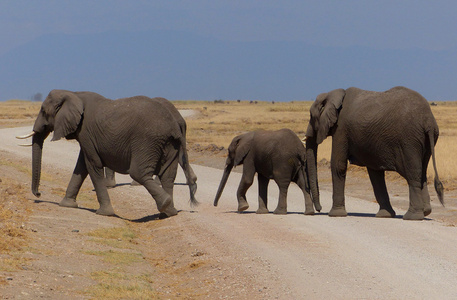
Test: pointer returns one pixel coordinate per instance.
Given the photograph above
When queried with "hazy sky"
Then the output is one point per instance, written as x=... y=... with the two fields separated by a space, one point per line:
x=372 y=44
x=380 y=24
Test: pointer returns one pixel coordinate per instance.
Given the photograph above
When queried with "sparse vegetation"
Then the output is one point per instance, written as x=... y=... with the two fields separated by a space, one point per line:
x=117 y=257
x=117 y=285
x=116 y=237
x=14 y=210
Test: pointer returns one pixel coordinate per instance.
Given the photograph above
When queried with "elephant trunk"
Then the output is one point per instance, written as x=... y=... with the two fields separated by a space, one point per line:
x=37 y=151
x=225 y=176
x=311 y=161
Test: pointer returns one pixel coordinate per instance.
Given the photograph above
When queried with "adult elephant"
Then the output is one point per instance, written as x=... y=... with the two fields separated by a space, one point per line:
x=277 y=155
x=183 y=157
x=133 y=136
x=384 y=131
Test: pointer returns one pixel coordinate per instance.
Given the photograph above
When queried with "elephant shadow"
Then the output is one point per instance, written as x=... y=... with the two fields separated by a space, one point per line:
x=154 y=217
x=370 y=215
x=145 y=219
x=37 y=201
x=357 y=215
x=269 y=213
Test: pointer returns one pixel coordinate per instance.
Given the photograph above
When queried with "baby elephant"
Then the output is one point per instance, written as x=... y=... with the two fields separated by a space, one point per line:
x=278 y=155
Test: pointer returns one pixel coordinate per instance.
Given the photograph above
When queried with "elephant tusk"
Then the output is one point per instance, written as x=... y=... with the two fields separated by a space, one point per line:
x=303 y=140
x=22 y=137
x=26 y=145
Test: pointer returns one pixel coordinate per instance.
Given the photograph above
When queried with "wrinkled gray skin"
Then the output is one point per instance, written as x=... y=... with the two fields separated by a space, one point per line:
x=133 y=136
x=110 y=175
x=277 y=155
x=384 y=131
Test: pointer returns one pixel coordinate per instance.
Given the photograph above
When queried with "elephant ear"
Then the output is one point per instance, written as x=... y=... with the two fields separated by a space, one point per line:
x=324 y=114
x=240 y=147
x=68 y=113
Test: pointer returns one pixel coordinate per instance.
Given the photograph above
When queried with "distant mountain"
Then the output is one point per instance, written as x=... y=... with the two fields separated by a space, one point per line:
x=180 y=65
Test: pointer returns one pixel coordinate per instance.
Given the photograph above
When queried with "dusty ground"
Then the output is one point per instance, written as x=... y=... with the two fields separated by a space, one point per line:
x=213 y=252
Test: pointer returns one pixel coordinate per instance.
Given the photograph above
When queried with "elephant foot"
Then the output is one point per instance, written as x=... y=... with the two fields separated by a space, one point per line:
x=419 y=216
x=110 y=183
x=169 y=212
x=309 y=212
x=135 y=183
x=427 y=210
x=338 y=212
x=106 y=210
x=280 y=211
x=68 y=202
x=167 y=206
x=384 y=213
x=242 y=205
x=262 y=211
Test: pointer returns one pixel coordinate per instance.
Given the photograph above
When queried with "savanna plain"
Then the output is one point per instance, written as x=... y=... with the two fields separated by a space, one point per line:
x=51 y=252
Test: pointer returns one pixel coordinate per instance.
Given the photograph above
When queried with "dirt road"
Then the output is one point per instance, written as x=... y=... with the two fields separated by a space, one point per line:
x=214 y=252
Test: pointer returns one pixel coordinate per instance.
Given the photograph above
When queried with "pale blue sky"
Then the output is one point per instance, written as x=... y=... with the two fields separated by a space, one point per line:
x=383 y=43
x=381 y=24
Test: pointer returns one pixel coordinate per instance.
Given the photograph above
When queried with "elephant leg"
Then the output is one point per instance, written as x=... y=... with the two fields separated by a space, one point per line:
x=97 y=176
x=416 y=204
x=79 y=175
x=110 y=178
x=163 y=200
x=281 y=209
x=263 y=194
x=338 y=168
x=378 y=182
x=167 y=179
x=425 y=193
x=426 y=200
x=246 y=181
x=416 y=175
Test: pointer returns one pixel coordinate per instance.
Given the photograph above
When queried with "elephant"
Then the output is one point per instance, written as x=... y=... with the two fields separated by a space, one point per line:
x=133 y=136
x=110 y=175
x=277 y=155
x=394 y=130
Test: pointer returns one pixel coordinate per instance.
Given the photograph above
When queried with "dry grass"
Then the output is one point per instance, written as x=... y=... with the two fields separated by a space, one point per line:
x=116 y=237
x=117 y=257
x=218 y=123
x=15 y=113
x=118 y=285
x=14 y=210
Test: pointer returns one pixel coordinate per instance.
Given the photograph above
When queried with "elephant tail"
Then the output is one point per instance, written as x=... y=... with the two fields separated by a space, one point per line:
x=438 y=184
